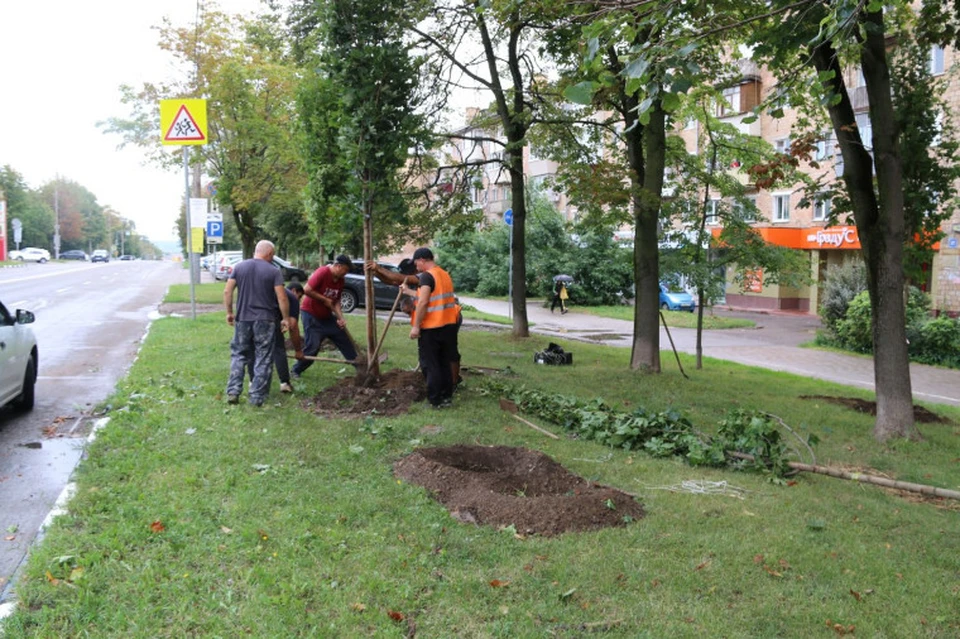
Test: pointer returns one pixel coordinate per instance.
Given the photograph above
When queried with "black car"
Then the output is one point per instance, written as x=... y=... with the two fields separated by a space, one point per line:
x=127 y=258
x=74 y=255
x=290 y=272
x=353 y=288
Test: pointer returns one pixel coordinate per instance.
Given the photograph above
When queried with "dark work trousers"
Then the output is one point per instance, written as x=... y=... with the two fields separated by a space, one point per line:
x=280 y=357
x=252 y=347
x=314 y=330
x=438 y=347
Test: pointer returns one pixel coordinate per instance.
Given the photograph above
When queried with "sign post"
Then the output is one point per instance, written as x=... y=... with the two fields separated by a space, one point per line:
x=3 y=226
x=508 y=220
x=183 y=122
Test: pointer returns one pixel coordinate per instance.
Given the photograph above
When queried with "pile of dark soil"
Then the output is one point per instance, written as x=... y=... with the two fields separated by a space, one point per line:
x=390 y=394
x=503 y=486
x=920 y=414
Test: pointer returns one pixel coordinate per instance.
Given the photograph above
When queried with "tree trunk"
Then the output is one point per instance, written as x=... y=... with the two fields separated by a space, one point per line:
x=513 y=115
x=518 y=239
x=373 y=367
x=880 y=225
x=645 y=355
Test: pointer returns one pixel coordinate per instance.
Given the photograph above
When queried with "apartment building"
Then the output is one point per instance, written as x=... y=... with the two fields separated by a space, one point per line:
x=783 y=221
x=483 y=145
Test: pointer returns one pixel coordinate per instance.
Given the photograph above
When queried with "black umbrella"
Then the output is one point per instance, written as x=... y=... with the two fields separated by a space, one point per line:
x=563 y=278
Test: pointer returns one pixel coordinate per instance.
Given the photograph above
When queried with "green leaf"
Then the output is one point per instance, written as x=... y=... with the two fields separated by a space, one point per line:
x=580 y=93
x=637 y=68
x=670 y=102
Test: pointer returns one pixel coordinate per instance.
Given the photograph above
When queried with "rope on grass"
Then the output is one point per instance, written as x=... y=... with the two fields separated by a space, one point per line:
x=704 y=487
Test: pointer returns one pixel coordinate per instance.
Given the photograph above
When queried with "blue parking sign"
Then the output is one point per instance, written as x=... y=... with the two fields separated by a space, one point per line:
x=214 y=229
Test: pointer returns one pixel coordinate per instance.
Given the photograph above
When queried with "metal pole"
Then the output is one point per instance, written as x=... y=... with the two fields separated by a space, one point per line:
x=186 y=209
x=510 y=277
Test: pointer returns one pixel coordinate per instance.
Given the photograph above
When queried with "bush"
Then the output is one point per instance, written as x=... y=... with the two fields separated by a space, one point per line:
x=842 y=285
x=854 y=330
x=937 y=342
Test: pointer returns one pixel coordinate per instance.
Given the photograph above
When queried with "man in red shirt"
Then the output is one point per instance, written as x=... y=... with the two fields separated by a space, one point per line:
x=320 y=313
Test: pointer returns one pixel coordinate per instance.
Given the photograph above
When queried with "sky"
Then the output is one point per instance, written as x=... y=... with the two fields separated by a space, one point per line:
x=61 y=66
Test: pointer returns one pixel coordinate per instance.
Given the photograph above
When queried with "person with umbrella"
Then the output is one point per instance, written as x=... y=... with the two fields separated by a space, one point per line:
x=560 y=295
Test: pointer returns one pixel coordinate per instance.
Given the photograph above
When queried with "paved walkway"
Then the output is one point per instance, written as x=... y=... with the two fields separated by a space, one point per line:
x=772 y=343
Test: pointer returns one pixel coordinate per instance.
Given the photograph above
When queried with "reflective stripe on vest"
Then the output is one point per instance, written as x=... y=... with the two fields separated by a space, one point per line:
x=442 y=308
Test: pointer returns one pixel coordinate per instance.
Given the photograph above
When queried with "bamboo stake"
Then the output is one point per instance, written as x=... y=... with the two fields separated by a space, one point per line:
x=511 y=407
x=393 y=310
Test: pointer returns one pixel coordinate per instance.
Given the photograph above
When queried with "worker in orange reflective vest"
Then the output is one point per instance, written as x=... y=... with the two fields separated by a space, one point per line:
x=408 y=302
x=435 y=327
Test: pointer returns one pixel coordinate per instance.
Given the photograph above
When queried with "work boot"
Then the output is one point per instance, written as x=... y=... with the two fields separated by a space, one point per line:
x=233 y=399
x=286 y=388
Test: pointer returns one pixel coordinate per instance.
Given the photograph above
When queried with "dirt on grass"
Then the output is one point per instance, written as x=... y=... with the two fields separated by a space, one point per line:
x=503 y=486
x=920 y=414
x=389 y=394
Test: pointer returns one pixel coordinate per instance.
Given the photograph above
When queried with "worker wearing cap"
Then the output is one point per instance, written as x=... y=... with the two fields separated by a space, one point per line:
x=320 y=313
x=435 y=327
x=407 y=277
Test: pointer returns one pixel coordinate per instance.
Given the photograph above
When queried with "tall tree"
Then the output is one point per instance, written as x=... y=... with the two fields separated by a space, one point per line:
x=493 y=46
x=240 y=65
x=27 y=206
x=369 y=69
x=827 y=37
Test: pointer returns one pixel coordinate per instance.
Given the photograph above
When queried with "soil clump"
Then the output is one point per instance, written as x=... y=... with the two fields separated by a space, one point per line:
x=390 y=394
x=503 y=486
x=920 y=414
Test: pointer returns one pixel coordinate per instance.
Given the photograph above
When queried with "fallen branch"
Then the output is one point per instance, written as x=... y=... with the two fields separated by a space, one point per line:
x=923 y=489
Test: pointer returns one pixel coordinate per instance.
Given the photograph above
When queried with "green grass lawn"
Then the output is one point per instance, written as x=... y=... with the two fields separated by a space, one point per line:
x=674 y=319
x=195 y=519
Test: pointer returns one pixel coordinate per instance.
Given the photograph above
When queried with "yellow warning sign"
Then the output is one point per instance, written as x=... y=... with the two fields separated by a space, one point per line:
x=183 y=122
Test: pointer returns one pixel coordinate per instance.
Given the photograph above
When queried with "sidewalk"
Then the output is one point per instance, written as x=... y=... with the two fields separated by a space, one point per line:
x=773 y=343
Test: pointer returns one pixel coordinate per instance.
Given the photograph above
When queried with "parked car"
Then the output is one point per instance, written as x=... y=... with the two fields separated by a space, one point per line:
x=353 y=294
x=225 y=266
x=213 y=264
x=30 y=254
x=100 y=255
x=674 y=298
x=290 y=272
x=127 y=258
x=18 y=358
x=74 y=255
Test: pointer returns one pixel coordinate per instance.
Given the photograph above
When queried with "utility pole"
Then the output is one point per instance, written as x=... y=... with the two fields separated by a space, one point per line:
x=56 y=209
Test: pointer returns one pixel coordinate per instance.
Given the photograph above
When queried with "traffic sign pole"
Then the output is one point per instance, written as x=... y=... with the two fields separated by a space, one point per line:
x=508 y=220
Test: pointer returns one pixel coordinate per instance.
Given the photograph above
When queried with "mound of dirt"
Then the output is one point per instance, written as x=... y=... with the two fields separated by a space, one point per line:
x=390 y=394
x=503 y=486
x=920 y=414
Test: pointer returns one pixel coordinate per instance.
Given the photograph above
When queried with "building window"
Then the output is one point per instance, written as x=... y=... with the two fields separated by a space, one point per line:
x=781 y=208
x=821 y=207
x=936 y=60
x=824 y=147
x=713 y=218
x=730 y=102
x=746 y=208
x=782 y=145
x=866 y=130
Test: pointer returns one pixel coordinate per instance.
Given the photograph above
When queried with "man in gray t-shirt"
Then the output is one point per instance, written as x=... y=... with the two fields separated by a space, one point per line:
x=260 y=296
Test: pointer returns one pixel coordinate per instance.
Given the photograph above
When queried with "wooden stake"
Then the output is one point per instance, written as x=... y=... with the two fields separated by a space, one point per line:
x=923 y=489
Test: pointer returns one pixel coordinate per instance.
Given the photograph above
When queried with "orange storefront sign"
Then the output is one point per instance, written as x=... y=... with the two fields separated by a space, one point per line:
x=831 y=237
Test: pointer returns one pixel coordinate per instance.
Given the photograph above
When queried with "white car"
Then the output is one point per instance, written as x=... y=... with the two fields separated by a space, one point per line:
x=18 y=358
x=30 y=254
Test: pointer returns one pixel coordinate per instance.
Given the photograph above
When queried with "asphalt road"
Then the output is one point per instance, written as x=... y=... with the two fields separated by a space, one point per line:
x=90 y=321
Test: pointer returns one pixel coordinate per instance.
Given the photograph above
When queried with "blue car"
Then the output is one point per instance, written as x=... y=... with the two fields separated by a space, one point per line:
x=674 y=298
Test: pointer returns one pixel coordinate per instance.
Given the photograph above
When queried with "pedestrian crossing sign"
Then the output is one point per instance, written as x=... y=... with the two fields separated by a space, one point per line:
x=183 y=122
